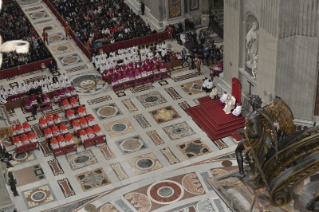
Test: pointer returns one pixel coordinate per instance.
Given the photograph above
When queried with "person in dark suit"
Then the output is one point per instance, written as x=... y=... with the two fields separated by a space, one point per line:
x=142 y=8
x=186 y=24
x=184 y=53
x=211 y=19
x=180 y=27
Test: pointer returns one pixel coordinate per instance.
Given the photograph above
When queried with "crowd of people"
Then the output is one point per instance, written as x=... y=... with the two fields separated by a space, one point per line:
x=102 y=22
x=41 y=86
x=16 y=26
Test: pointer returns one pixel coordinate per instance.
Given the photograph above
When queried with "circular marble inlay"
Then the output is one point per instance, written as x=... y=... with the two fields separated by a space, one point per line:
x=145 y=163
x=21 y=156
x=81 y=159
x=38 y=196
x=70 y=59
x=165 y=192
x=55 y=38
x=62 y=48
x=38 y=15
x=178 y=131
x=48 y=28
x=119 y=127
x=86 y=84
x=107 y=111
x=227 y=163
x=151 y=99
x=131 y=145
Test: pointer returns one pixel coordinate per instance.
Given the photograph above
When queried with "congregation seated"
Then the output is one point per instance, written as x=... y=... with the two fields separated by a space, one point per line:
x=15 y=26
x=237 y=111
x=229 y=104
x=103 y=23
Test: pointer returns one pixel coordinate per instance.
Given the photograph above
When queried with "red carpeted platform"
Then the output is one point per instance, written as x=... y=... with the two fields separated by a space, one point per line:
x=209 y=115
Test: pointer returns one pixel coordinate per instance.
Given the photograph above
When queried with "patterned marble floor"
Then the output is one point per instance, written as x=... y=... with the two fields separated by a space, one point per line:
x=156 y=157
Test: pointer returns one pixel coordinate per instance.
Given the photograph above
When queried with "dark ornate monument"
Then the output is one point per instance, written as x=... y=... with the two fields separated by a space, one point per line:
x=282 y=174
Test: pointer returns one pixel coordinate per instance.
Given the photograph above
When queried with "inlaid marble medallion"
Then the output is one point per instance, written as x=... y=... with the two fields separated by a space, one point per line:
x=194 y=148
x=81 y=159
x=38 y=196
x=93 y=179
x=151 y=99
x=119 y=127
x=193 y=87
x=164 y=114
x=49 y=27
x=61 y=48
x=88 y=84
x=38 y=15
x=132 y=144
x=145 y=163
x=177 y=131
x=107 y=111
x=70 y=59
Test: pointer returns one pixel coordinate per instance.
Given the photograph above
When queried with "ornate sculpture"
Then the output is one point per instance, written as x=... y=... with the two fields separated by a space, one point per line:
x=252 y=45
x=313 y=205
x=278 y=165
x=254 y=67
x=19 y=46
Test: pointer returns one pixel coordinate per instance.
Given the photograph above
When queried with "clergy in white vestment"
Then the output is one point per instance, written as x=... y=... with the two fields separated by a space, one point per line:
x=214 y=93
x=12 y=91
x=183 y=38
x=236 y=112
x=164 y=46
x=209 y=86
x=228 y=105
x=23 y=88
x=223 y=99
x=2 y=100
x=68 y=83
x=45 y=89
x=205 y=83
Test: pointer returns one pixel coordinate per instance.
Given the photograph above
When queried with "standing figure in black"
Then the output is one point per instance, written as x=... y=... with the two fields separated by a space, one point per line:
x=211 y=19
x=186 y=24
x=142 y=8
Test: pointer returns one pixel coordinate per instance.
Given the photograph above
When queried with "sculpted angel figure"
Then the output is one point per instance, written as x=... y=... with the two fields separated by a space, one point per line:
x=252 y=45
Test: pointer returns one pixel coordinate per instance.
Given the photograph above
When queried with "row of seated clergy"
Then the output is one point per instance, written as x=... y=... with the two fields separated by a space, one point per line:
x=80 y=110
x=73 y=103
x=49 y=120
x=19 y=129
x=34 y=101
x=83 y=123
x=64 y=93
x=54 y=131
x=229 y=102
x=131 y=53
x=120 y=66
x=90 y=133
x=137 y=74
x=61 y=141
x=24 y=139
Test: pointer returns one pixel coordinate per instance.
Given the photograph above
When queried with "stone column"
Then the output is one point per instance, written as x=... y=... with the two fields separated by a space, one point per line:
x=205 y=12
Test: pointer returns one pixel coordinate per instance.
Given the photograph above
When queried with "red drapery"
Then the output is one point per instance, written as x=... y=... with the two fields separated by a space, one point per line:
x=236 y=89
x=110 y=47
x=23 y=69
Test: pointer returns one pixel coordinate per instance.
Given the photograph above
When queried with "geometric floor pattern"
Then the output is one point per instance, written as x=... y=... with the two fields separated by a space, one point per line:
x=155 y=155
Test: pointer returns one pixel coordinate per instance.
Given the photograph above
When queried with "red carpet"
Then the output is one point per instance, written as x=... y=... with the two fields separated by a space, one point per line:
x=209 y=115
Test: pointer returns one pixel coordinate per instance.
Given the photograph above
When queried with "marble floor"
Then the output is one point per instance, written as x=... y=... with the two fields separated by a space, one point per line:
x=156 y=157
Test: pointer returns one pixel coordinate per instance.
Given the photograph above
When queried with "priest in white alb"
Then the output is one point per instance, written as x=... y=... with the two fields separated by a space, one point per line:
x=228 y=105
x=223 y=99
x=214 y=93
x=236 y=112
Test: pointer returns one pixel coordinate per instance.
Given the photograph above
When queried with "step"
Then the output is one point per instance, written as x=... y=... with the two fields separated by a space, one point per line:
x=213 y=127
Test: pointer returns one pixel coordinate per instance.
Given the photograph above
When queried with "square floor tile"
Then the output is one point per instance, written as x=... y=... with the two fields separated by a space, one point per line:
x=132 y=144
x=81 y=159
x=193 y=87
x=164 y=114
x=107 y=111
x=38 y=196
x=119 y=127
x=177 y=131
x=194 y=148
x=93 y=179
x=145 y=163
x=151 y=99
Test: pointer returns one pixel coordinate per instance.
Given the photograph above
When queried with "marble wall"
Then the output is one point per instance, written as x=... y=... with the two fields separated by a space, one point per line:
x=287 y=50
